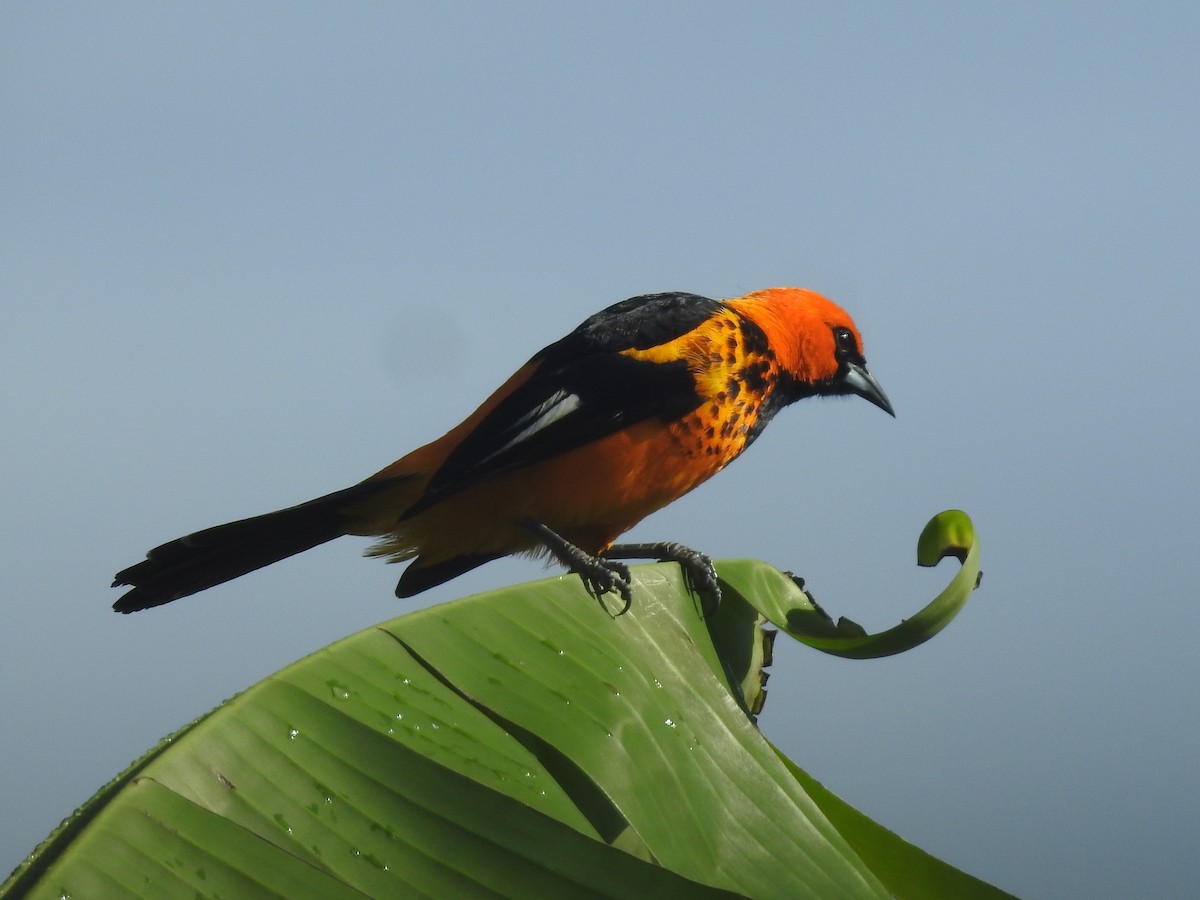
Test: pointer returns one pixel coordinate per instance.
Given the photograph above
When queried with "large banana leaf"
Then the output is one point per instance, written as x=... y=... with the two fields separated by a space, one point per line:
x=520 y=743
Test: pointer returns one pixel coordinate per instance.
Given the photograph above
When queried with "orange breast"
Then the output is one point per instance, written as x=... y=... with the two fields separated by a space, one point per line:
x=590 y=495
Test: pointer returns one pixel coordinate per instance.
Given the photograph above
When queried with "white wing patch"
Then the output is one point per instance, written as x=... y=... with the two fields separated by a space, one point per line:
x=557 y=406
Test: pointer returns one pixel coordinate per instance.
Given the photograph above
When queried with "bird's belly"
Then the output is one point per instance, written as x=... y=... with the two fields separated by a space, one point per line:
x=590 y=495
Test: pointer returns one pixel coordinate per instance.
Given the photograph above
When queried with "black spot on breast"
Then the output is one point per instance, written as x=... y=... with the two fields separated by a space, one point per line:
x=757 y=376
x=754 y=340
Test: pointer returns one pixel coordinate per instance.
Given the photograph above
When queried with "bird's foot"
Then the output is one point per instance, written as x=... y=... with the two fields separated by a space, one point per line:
x=699 y=573
x=600 y=576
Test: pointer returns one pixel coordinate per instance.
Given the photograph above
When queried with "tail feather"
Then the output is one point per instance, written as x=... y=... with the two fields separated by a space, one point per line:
x=215 y=555
x=418 y=577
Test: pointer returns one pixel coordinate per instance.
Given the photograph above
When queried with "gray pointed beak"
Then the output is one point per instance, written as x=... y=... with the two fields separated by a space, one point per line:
x=859 y=381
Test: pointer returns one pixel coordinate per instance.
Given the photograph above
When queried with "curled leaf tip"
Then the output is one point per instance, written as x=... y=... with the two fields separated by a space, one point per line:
x=785 y=600
x=949 y=533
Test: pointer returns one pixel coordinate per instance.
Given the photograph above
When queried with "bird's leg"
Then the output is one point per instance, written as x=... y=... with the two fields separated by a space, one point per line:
x=600 y=576
x=698 y=571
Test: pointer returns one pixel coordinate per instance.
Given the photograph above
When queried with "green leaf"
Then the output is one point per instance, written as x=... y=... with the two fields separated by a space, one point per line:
x=781 y=598
x=520 y=743
x=907 y=871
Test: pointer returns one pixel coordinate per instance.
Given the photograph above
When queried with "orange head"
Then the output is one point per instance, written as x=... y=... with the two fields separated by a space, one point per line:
x=814 y=341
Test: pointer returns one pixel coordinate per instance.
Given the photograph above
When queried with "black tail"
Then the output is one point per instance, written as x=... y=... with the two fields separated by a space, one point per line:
x=213 y=556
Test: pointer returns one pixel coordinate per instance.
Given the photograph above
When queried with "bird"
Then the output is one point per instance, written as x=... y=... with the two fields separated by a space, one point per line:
x=641 y=403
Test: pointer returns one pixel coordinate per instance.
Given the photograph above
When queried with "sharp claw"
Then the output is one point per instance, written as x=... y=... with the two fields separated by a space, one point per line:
x=700 y=576
x=607 y=576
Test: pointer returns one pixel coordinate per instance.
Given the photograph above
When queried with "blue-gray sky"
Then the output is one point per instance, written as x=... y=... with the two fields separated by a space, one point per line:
x=253 y=252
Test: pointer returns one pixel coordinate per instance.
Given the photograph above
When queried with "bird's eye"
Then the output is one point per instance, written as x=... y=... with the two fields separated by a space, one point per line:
x=844 y=339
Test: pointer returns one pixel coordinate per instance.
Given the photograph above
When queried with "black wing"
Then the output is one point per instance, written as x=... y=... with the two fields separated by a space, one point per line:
x=582 y=389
